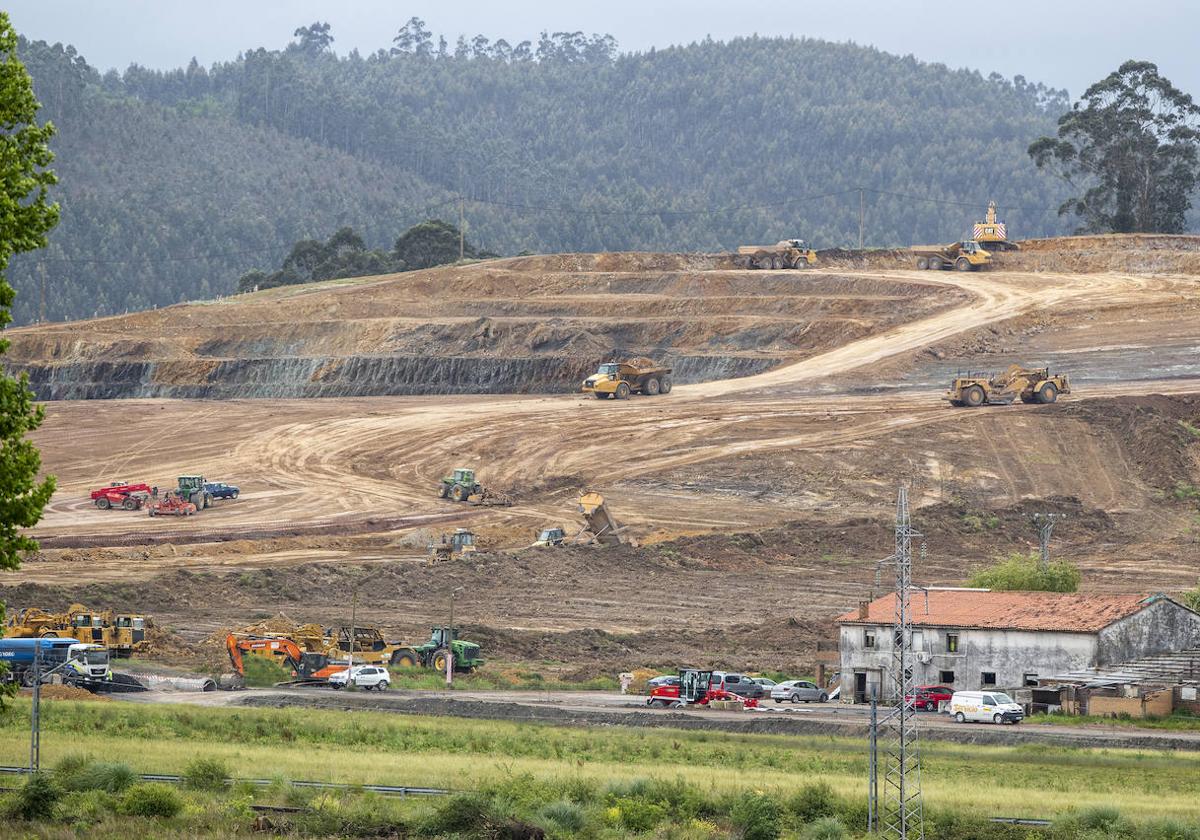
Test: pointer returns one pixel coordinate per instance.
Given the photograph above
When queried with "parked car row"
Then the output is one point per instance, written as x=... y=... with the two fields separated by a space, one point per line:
x=756 y=688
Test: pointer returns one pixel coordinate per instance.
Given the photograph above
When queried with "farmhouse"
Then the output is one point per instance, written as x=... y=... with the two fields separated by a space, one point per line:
x=969 y=639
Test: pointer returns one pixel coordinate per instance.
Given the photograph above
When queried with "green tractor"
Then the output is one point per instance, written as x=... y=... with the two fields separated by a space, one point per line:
x=460 y=486
x=444 y=640
x=191 y=488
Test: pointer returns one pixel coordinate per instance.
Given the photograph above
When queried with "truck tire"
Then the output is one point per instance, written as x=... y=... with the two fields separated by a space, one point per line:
x=963 y=264
x=959 y=717
x=922 y=263
x=651 y=387
x=664 y=385
x=935 y=264
x=1047 y=394
x=774 y=262
x=973 y=396
x=622 y=391
x=458 y=493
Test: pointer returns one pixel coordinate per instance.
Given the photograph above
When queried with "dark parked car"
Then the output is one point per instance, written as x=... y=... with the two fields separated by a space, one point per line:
x=221 y=490
x=739 y=684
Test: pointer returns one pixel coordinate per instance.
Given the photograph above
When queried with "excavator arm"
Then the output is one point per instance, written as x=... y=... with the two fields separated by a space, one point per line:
x=237 y=645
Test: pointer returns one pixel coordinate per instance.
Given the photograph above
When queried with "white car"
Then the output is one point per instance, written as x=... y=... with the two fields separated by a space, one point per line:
x=365 y=676
x=799 y=691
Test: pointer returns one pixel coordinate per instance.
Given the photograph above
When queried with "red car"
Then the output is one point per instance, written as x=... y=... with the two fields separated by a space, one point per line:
x=928 y=696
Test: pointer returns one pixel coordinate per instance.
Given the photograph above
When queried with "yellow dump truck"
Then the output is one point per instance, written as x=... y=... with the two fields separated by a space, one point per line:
x=787 y=253
x=967 y=255
x=634 y=376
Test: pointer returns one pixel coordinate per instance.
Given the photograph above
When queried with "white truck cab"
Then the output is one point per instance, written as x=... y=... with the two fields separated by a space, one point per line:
x=89 y=661
x=985 y=707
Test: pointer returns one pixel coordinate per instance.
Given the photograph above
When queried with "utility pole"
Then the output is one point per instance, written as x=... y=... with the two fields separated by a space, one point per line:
x=350 y=653
x=35 y=716
x=450 y=644
x=1044 y=522
x=861 y=218
x=462 y=236
x=873 y=767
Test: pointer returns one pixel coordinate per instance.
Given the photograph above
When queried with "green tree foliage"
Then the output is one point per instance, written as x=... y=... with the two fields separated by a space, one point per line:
x=180 y=181
x=430 y=243
x=1132 y=145
x=1023 y=572
x=1191 y=598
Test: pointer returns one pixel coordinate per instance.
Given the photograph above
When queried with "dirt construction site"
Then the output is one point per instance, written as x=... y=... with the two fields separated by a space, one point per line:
x=756 y=497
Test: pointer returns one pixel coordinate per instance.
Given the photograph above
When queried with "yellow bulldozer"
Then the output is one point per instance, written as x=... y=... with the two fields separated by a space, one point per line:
x=121 y=633
x=1031 y=385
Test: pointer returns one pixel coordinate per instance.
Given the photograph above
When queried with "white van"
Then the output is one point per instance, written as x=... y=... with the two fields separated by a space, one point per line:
x=984 y=707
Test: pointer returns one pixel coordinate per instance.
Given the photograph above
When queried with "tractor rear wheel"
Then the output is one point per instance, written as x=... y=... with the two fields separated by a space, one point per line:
x=444 y=492
x=458 y=493
x=404 y=659
x=652 y=387
x=438 y=661
x=103 y=503
x=973 y=396
x=1048 y=393
x=623 y=391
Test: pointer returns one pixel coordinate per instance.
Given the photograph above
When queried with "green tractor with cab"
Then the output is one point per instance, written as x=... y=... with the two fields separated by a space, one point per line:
x=443 y=641
x=192 y=488
x=460 y=485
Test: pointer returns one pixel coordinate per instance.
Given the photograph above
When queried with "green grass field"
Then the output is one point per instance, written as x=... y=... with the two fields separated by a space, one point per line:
x=365 y=747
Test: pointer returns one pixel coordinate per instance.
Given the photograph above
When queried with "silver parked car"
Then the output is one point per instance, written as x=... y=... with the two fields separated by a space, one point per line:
x=797 y=691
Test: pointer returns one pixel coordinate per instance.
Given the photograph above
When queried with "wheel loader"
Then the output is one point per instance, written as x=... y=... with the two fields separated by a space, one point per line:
x=1032 y=385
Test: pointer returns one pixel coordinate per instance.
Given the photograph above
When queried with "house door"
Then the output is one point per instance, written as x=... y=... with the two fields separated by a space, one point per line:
x=860 y=686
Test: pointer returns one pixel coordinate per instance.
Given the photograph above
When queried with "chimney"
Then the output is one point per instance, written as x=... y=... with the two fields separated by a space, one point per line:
x=863 y=607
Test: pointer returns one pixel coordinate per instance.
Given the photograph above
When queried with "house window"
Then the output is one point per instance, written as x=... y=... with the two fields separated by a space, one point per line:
x=946 y=677
x=952 y=643
x=868 y=638
x=988 y=678
x=1030 y=679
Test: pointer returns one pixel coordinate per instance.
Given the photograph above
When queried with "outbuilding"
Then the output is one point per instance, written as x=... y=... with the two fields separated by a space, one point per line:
x=969 y=639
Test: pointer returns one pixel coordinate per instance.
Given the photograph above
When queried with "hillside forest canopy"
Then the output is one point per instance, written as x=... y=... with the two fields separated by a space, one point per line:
x=177 y=183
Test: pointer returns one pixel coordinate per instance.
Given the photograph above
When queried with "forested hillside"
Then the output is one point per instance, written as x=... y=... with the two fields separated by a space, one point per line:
x=175 y=184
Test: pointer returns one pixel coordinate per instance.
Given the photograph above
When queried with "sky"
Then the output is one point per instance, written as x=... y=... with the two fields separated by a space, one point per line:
x=1063 y=43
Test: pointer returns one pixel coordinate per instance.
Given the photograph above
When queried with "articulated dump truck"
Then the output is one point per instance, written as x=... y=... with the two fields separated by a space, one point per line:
x=967 y=255
x=787 y=253
x=633 y=376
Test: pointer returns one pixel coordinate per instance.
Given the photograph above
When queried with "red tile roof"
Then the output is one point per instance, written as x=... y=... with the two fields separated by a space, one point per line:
x=1064 y=612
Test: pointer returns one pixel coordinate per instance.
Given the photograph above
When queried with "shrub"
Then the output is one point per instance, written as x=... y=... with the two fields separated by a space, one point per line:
x=262 y=672
x=755 y=816
x=1023 y=572
x=826 y=828
x=86 y=808
x=812 y=802
x=35 y=800
x=459 y=814
x=205 y=774
x=1100 y=818
x=80 y=772
x=151 y=799
x=637 y=814
x=565 y=815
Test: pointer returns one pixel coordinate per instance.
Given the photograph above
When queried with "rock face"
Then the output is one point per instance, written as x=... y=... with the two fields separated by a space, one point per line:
x=523 y=325
x=348 y=376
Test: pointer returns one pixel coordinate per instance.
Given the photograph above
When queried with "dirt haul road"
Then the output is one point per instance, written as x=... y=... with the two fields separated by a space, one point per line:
x=371 y=464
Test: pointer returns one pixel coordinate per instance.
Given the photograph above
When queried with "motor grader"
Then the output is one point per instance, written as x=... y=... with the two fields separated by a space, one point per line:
x=1031 y=385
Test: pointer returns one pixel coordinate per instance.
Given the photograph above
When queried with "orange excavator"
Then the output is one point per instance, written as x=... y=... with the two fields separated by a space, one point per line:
x=305 y=666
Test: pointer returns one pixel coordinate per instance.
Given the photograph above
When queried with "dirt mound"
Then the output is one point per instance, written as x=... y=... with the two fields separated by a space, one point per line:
x=65 y=692
x=1134 y=252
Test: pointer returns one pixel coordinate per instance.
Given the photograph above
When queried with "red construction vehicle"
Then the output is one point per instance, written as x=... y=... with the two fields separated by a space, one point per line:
x=696 y=688
x=171 y=504
x=122 y=494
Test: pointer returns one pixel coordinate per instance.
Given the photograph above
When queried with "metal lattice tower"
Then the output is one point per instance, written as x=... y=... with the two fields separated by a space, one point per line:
x=901 y=814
